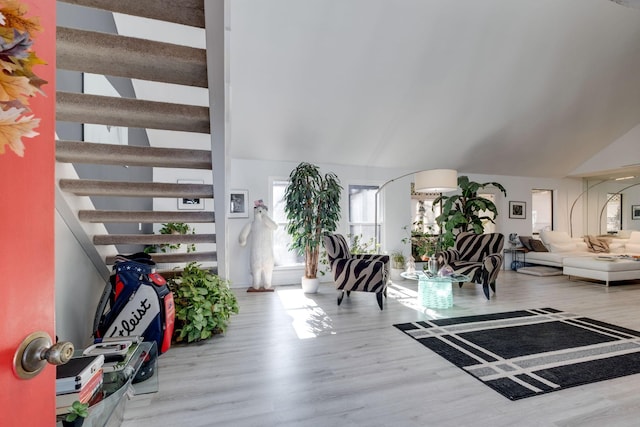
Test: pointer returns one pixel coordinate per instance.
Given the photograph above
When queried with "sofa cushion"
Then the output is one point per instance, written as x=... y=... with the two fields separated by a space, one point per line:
x=549 y=236
x=617 y=247
x=624 y=234
x=595 y=244
x=538 y=246
x=632 y=247
x=563 y=247
x=634 y=237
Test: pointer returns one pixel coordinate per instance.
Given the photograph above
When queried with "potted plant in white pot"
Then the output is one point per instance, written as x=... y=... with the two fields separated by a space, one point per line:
x=312 y=206
x=397 y=264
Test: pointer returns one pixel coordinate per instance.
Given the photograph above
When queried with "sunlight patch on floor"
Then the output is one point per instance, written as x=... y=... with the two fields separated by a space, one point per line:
x=409 y=298
x=309 y=320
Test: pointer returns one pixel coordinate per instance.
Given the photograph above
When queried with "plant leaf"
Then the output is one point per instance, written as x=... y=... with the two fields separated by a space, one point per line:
x=13 y=127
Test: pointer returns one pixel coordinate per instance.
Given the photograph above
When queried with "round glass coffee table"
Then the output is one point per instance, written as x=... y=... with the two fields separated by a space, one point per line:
x=435 y=291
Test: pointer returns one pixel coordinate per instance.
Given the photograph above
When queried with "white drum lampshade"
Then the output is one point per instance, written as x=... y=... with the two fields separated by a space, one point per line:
x=436 y=181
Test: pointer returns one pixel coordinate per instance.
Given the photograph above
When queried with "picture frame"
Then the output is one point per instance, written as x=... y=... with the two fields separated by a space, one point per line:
x=635 y=211
x=518 y=210
x=196 y=204
x=238 y=204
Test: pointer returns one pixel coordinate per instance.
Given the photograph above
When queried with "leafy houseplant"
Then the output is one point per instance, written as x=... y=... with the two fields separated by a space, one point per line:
x=360 y=246
x=77 y=413
x=466 y=211
x=312 y=206
x=397 y=260
x=176 y=228
x=204 y=303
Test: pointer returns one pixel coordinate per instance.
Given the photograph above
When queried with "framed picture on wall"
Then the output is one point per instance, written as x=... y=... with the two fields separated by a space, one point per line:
x=635 y=211
x=238 y=204
x=195 y=204
x=518 y=210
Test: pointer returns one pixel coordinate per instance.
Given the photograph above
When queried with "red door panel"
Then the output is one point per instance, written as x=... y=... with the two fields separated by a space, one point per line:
x=26 y=242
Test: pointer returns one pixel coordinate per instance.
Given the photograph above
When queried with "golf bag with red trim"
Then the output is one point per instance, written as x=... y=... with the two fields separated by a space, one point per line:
x=136 y=301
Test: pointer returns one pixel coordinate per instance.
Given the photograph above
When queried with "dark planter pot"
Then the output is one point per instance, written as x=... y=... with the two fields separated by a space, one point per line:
x=75 y=423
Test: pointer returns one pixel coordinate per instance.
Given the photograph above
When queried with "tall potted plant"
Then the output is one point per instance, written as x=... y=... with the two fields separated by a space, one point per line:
x=464 y=211
x=312 y=206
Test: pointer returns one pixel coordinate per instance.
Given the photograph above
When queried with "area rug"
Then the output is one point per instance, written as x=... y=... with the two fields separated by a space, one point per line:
x=530 y=352
x=540 y=271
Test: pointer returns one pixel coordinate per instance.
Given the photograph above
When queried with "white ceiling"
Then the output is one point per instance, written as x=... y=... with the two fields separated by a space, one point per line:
x=507 y=87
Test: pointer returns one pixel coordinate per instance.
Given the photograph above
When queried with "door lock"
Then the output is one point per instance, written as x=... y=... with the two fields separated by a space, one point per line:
x=36 y=350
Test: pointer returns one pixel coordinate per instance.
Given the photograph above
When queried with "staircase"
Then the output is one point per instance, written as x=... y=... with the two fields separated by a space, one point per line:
x=114 y=55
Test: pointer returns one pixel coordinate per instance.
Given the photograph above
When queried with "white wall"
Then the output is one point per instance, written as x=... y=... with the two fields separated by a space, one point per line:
x=255 y=176
x=78 y=288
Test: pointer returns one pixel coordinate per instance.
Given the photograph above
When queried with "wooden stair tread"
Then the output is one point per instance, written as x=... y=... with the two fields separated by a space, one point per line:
x=113 y=154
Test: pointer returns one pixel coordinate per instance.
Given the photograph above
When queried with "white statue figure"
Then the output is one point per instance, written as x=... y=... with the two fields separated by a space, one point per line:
x=260 y=231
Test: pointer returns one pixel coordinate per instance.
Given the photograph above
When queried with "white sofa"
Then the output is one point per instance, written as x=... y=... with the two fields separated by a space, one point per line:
x=573 y=255
x=560 y=245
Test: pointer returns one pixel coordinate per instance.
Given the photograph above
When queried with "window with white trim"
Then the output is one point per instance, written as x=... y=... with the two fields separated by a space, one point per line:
x=282 y=255
x=362 y=211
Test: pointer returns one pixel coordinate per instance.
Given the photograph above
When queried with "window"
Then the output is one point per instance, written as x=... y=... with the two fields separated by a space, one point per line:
x=541 y=210
x=424 y=226
x=614 y=212
x=424 y=213
x=362 y=210
x=489 y=227
x=281 y=239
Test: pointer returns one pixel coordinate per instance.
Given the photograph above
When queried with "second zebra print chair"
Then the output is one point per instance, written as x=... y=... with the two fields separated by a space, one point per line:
x=478 y=256
x=361 y=272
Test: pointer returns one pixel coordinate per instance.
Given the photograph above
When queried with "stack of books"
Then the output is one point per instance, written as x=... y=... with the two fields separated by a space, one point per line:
x=79 y=379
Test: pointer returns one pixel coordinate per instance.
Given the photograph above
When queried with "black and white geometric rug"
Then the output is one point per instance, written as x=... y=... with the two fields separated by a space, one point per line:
x=530 y=352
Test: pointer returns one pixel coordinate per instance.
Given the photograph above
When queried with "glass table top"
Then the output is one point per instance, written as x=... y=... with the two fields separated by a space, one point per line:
x=425 y=275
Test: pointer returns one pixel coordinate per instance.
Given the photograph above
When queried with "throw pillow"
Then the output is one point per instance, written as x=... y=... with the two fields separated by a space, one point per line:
x=538 y=246
x=526 y=242
x=595 y=244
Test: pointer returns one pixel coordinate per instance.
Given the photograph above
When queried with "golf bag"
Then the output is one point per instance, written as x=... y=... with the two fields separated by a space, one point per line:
x=136 y=301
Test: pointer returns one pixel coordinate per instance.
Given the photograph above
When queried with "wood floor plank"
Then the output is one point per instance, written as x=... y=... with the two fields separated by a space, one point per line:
x=352 y=368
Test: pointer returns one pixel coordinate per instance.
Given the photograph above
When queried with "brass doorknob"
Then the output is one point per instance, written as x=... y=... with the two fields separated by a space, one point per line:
x=36 y=351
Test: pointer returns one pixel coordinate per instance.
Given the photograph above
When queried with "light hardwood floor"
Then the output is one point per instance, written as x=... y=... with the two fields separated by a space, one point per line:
x=290 y=359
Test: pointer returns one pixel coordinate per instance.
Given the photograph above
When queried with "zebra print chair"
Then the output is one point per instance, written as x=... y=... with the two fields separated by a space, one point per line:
x=478 y=256
x=361 y=272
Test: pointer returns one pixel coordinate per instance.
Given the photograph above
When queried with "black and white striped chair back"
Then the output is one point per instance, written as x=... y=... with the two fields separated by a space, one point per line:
x=336 y=247
x=476 y=247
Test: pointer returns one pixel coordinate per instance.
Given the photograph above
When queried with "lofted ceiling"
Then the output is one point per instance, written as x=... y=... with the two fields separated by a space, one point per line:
x=506 y=87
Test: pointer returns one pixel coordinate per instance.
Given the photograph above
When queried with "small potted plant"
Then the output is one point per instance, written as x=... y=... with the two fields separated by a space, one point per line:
x=176 y=228
x=77 y=413
x=397 y=264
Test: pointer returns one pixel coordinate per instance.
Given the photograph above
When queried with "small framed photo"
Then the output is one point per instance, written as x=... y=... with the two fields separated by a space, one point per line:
x=635 y=211
x=196 y=204
x=238 y=204
x=518 y=210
